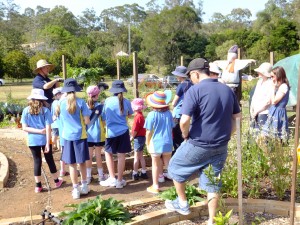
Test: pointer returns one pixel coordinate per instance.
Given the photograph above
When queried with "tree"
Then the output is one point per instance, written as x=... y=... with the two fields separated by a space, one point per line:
x=89 y=21
x=17 y=65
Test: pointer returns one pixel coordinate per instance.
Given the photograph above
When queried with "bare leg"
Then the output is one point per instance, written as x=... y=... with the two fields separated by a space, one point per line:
x=121 y=165
x=156 y=165
x=37 y=179
x=166 y=159
x=73 y=173
x=142 y=159
x=136 y=161
x=180 y=189
x=110 y=164
x=98 y=150
x=212 y=199
x=82 y=167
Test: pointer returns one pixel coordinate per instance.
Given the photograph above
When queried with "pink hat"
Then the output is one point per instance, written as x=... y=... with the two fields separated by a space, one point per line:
x=92 y=91
x=138 y=104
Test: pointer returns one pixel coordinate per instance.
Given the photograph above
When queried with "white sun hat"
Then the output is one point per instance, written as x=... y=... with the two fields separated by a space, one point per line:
x=264 y=69
x=37 y=94
x=214 y=68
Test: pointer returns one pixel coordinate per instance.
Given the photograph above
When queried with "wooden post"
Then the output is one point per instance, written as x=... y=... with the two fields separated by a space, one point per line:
x=135 y=76
x=272 y=58
x=239 y=165
x=64 y=67
x=239 y=53
x=294 y=171
x=181 y=60
x=118 y=69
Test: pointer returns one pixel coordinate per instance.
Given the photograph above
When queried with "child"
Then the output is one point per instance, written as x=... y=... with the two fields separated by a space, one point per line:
x=138 y=133
x=36 y=121
x=74 y=115
x=57 y=94
x=159 y=124
x=96 y=135
x=115 y=111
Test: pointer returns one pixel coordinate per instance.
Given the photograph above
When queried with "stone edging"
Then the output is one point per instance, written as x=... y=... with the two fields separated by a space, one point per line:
x=164 y=216
x=4 y=170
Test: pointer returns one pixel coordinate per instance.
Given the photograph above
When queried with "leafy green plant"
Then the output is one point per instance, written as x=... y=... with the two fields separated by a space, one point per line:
x=223 y=220
x=96 y=211
x=193 y=194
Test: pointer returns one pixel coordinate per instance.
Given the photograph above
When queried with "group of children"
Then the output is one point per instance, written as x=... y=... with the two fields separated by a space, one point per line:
x=86 y=127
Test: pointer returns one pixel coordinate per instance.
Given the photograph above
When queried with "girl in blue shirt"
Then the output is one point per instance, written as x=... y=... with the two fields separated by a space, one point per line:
x=36 y=121
x=95 y=130
x=115 y=111
x=74 y=116
x=159 y=124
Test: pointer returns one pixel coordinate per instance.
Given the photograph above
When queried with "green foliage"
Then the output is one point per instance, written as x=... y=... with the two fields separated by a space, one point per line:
x=17 y=65
x=193 y=194
x=86 y=77
x=223 y=220
x=96 y=211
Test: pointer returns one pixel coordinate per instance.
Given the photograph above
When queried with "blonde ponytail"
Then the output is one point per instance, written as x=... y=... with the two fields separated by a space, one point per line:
x=71 y=102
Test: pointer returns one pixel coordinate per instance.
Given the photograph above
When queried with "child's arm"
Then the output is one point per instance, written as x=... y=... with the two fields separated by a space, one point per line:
x=148 y=137
x=33 y=130
x=48 y=138
x=133 y=135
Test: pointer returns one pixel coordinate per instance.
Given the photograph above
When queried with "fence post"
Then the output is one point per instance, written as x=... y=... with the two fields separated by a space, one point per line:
x=64 y=67
x=135 y=76
x=272 y=58
x=181 y=60
x=118 y=69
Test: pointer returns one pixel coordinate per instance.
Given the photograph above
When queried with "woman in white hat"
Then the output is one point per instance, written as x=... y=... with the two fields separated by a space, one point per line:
x=261 y=99
x=42 y=81
x=36 y=121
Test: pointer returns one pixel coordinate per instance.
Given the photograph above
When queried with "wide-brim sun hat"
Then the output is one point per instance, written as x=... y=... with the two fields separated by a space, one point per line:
x=180 y=71
x=70 y=85
x=264 y=69
x=138 y=104
x=92 y=90
x=37 y=94
x=157 y=99
x=118 y=87
x=42 y=63
x=214 y=68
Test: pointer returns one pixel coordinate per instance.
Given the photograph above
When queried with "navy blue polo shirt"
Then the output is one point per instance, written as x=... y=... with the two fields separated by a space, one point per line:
x=211 y=105
x=38 y=82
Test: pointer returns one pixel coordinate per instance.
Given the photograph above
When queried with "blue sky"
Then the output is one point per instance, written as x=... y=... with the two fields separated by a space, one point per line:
x=209 y=6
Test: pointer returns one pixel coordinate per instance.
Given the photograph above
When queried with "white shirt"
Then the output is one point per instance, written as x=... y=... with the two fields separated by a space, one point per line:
x=261 y=97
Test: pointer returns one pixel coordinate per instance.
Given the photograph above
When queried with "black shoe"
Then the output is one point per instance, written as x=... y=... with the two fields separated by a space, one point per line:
x=135 y=176
x=144 y=175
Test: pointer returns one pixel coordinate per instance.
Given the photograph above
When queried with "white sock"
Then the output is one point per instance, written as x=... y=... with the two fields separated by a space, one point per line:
x=134 y=172
x=89 y=172
x=155 y=186
x=182 y=203
x=144 y=171
x=100 y=171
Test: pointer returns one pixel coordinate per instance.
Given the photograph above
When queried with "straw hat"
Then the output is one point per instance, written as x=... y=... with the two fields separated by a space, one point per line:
x=264 y=69
x=42 y=63
x=37 y=94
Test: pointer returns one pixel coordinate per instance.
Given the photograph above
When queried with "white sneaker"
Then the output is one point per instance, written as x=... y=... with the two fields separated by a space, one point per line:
x=76 y=193
x=85 y=189
x=102 y=177
x=109 y=182
x=161 y=179
x=88 y=180
x=121 y=184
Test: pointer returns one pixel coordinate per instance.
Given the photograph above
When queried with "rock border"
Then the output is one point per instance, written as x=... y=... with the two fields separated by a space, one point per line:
x=4 y=170
x=164 y=216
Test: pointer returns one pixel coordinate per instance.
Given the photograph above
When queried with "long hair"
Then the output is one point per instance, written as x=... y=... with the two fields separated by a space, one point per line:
x=121 y=103
x=71 y=102
x=280 y=74
x=90 y=103
x=35 y=106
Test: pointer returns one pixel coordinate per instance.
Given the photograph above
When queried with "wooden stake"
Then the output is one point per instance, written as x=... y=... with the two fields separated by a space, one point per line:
x=272 y=58
x=30 y=212
x=239 y=165
x=118 y=69
x=294 y=171
x=181 y=60
x=135 y=76
x=64 y=67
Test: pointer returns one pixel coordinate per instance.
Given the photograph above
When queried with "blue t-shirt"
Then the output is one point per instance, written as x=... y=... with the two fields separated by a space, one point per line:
x=180 y=91
x=211 y=105
x=38 y=82
x=161 y=124
x=39 y=122
x=73 y=125
x=96 y=130
x=116 y=124
x=53 y=110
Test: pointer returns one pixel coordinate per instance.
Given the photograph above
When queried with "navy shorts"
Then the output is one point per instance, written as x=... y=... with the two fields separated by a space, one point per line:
x=75 y=151
x=190 y=158
x=119 y=144
x=139 y=143
x=96 y=144
x=55 y=132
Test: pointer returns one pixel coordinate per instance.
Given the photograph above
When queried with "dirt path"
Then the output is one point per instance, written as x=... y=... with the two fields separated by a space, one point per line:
x=19 y=196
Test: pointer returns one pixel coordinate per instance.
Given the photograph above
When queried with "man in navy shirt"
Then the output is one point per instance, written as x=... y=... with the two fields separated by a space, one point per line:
x=206 y=123
x=42 y=81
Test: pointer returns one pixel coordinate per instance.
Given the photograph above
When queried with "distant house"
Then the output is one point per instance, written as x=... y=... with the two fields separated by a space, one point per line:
x=37 y=46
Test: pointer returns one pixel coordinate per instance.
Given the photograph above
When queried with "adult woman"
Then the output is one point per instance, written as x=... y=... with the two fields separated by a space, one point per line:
x=277 y=122
x=261 y=99
x=116 y=109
